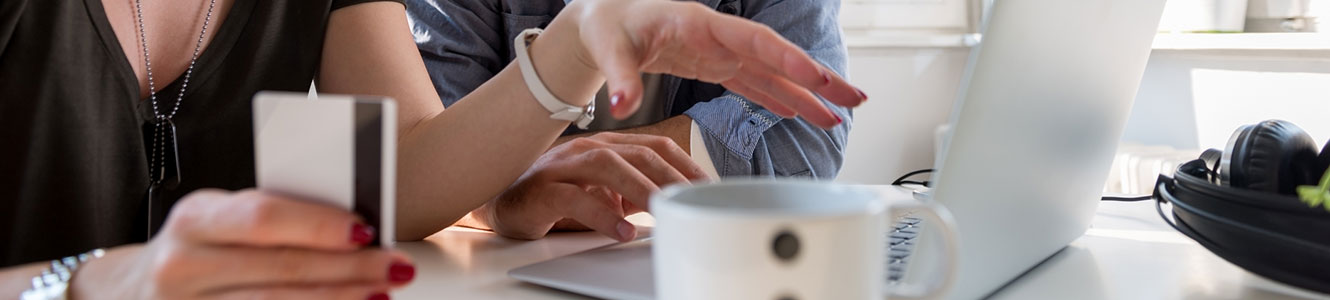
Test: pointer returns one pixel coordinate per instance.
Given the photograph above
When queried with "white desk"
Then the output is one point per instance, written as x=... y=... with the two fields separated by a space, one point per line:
x=1128 y=254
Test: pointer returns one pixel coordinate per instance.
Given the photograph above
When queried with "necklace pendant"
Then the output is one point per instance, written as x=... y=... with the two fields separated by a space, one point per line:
x=156 y=211
x=159 y=137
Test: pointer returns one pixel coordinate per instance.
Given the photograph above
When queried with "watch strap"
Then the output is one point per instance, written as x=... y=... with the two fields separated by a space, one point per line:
x=559 y=110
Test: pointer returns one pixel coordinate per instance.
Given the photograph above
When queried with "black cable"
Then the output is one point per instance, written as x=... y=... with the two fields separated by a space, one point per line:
x=1128 y=199
x=902 y=180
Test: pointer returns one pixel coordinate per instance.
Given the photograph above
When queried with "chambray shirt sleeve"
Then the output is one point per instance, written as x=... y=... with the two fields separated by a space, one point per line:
x=461 y=41
x=745 y=139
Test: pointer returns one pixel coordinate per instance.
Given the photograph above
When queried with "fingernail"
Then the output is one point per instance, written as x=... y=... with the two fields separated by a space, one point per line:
x=401 y=272
x=626 y=230
x=826 y=78
x=379 y=296
x=614 y=100
x=361 y=234
x=838 y=120
x=862 y=96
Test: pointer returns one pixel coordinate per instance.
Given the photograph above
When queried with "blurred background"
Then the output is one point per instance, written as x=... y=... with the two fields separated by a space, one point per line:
x=1216 y=65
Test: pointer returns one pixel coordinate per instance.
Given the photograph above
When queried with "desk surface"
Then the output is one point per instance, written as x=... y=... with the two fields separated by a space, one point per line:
x=1128 y=254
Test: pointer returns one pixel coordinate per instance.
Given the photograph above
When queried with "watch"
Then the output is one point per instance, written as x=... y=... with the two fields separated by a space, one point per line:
x=53 y=283
x=559 y=110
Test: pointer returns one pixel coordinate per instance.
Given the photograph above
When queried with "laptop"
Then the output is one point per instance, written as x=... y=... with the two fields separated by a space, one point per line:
x=1044 y=100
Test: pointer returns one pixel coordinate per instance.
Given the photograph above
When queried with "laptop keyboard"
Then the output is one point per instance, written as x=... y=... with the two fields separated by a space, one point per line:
x=899 y=246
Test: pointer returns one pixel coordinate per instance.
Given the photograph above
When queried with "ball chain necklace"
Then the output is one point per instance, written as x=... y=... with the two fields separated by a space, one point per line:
x=163 y=159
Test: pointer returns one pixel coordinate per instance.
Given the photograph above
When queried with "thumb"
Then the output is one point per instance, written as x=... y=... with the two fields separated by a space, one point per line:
x=620 y=63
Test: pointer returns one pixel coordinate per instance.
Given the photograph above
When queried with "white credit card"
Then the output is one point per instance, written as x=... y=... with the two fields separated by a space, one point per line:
x=338 y=149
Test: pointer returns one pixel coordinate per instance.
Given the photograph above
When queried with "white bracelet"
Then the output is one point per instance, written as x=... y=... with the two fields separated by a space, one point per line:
x=53 y=284
x=559 y=110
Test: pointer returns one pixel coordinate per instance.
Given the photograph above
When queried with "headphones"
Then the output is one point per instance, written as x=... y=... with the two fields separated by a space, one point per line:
x=1261 y=203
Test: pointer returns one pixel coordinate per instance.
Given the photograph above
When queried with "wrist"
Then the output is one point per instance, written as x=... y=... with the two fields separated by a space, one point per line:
x=478 y=218
x=92 y=280
x=563 y=65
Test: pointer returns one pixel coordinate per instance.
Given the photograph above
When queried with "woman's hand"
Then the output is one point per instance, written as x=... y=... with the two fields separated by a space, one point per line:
x=248 y=245
x=591 y=183
x=622 y=38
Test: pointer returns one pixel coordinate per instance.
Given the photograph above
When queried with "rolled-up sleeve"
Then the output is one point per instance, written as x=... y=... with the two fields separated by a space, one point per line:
x=745 y=139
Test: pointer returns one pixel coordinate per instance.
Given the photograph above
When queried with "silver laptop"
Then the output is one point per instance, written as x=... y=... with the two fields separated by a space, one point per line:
x=1044 y=101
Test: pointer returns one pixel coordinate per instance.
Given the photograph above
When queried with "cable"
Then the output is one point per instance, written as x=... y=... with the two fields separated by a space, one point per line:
x=1128 y=199
x=902 y=180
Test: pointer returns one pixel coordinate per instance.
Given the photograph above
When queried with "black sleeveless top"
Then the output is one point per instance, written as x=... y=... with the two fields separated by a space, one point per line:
x=73 y=168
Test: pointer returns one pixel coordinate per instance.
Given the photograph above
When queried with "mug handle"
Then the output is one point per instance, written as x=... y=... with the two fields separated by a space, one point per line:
x=932 y=213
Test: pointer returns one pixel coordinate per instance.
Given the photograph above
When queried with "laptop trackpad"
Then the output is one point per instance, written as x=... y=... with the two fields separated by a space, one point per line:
x=619 y=271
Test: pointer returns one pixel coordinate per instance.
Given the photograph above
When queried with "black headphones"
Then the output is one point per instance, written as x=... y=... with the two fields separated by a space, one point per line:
x=1242 y=204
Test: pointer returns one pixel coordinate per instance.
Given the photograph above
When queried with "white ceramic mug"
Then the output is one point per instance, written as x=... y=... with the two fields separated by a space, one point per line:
x=786 y=239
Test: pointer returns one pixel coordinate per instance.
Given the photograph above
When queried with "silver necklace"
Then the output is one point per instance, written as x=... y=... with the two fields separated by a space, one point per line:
x=163 y=162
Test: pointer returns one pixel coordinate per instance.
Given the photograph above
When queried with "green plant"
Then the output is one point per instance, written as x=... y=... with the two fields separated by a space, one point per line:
x=1317 y=195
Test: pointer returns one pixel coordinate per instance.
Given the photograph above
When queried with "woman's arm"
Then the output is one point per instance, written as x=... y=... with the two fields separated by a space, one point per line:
x=15 y=280
x=450 y=162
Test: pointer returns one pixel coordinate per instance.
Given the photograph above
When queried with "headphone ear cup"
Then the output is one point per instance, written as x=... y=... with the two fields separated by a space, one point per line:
x=1272 y=156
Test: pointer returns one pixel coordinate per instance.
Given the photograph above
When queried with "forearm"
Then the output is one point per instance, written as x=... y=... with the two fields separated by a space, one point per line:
x=97 y=272
x=452 y=161
x=457 y=160
x=14 y=280
x=676 y=128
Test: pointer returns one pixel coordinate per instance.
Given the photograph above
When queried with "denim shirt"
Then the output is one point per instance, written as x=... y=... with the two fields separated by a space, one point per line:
x=465 y=42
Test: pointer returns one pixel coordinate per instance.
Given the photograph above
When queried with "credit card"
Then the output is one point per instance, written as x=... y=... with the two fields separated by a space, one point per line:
x=338 y=149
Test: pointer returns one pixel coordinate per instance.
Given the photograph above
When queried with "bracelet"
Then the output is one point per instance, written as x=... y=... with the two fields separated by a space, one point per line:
x=559 y=110
x=53 y=283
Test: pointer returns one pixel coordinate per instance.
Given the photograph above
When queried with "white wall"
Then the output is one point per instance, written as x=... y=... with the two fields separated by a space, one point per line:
x=1190 y=99
x=1195 y=99
x=910 y=91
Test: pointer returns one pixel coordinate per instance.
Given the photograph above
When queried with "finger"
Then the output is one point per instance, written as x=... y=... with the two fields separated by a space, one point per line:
x=605 y=167
x=651 y=164
x=758 y=96
x=332 y=292
x=255 y=218
x=718 y=70
x=788 y=94
x=764 y=45
x=620 y=61
x=712 y=62
x=595 y=211
x=665 y=147
x=628 y=207
x=244 y=267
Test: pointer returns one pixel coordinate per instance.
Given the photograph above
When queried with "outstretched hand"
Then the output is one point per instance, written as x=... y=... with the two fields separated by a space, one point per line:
x=622 y=38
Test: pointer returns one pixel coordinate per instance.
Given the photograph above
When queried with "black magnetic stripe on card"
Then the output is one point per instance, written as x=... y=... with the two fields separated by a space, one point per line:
x=368 y=166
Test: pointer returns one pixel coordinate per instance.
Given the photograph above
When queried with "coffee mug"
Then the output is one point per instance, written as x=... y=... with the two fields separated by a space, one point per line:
x=786 y=239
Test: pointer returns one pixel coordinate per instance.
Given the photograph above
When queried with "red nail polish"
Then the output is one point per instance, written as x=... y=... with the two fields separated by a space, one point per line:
x=838 y=120
x=862 y=96
x=826 y=78
x=614 y=100
x=401 y=272
x=361 y=234
x=379 y=296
